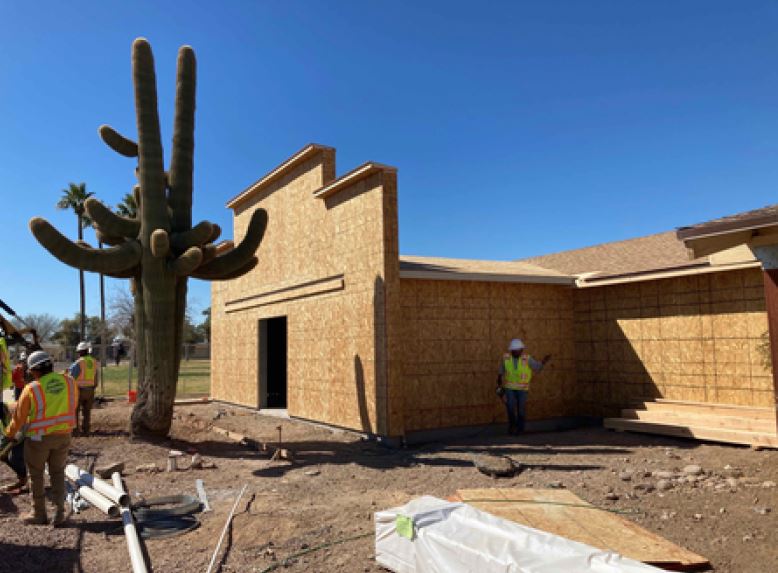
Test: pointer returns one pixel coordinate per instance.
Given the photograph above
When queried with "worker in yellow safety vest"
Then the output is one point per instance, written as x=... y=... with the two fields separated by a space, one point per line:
x=86 y=372
x=5 y=365
x=45 y=415
x=515 y=374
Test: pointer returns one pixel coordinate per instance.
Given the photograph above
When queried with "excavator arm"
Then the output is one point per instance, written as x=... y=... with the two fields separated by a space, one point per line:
x=14 y=335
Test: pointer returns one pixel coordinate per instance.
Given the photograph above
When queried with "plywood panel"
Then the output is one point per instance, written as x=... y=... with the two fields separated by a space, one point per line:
x=463 y=346
x=561 y=512
x=689 y=338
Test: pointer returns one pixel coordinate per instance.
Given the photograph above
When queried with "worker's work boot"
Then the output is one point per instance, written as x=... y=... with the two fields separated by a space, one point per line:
x=15 y=488
x=35 y=518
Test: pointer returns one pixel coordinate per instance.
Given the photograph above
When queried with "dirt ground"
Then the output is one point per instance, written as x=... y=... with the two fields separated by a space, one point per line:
x=729 y=513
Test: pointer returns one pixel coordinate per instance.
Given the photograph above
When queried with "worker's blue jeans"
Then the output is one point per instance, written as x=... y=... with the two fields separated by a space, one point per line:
x=16 y=461
x=516 y=403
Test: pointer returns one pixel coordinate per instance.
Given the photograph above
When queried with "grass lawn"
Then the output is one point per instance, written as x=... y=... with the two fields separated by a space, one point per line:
x=194 y=379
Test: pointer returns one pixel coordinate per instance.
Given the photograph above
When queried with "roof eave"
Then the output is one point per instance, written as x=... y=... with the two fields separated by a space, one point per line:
x=273 y=175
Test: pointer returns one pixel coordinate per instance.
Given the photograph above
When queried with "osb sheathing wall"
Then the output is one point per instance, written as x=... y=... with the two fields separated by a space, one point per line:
x=454 y=334
x=687 y=338
x=321 y=264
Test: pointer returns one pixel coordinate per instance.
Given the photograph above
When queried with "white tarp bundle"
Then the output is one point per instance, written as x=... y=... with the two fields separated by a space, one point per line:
x=431 y=535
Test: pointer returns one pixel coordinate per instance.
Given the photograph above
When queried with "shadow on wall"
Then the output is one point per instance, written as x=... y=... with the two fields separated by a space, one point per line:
x=380 y=358
x=359 y=379
x=379 y=365
x=695 y=339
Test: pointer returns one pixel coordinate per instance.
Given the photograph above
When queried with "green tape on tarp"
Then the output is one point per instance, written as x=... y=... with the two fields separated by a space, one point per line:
x=404 y=526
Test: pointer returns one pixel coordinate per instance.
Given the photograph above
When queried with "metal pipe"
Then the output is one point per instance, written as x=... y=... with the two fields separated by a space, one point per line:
x=103 y=487
x=133 y=543
x=224 y=531
x=94 y=498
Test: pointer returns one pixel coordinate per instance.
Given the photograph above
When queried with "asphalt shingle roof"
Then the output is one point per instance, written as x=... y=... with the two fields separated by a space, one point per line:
x=740 y=221
x=633 y=256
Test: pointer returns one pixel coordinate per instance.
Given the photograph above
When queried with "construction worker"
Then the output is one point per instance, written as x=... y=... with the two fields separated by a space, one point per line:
x=12 y=453
x=46 y=413
x=20 y=376
x=85 y=371
x=5 y=365
x=516 y=370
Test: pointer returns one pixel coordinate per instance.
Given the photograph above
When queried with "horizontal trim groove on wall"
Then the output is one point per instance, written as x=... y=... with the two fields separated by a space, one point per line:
x=485 y=277
x=301 y=290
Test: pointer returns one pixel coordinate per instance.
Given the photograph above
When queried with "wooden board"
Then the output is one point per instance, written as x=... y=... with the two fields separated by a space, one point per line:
x=563 y=513
x=731 y=422
x=682 y=406
x=697 y=432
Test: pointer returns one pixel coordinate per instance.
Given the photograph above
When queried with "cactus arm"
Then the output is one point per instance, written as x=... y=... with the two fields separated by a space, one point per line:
x=106 y=261
x=160 y=244
x=151 y=171
x=210 y=251
x=130 y=273
x=108 y=239
x=209 y=254
x=194 y=237
x=224 y=247
x=109 y=223
x=182 y=155
x=118 y=142
x=233 y=260
x=187 y=262
x=235 y=274
x=217 y=231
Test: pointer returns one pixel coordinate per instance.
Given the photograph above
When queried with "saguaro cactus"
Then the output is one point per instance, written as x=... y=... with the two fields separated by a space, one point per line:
x=159 y=249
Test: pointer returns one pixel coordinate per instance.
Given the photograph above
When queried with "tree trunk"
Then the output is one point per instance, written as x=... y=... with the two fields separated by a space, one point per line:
x=103 y=341
x=82 y=291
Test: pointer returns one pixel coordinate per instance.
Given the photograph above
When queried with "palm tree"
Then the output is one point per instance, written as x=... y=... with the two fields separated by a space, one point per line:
x=128 y=207
x=73 y=197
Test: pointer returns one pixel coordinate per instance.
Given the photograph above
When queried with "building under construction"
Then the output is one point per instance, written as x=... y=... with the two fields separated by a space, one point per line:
x=335 y=326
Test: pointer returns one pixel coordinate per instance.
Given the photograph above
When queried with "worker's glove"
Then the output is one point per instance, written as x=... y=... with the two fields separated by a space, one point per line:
x=500 y=391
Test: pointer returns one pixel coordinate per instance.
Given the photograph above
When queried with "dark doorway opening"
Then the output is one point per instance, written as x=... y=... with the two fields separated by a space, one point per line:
x=272 y=362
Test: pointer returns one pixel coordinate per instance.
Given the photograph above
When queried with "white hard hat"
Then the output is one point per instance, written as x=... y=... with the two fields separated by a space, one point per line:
x=23 y=356
x=516 y=344
x=37 y=359
x=83 y=345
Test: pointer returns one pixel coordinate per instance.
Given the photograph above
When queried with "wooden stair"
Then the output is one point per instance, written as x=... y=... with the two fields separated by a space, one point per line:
x=702 y=421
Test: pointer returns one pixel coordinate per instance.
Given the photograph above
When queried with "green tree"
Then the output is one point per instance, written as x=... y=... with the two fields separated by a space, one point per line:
x=121 y=317
x=205 y=325
x=73 y=198
x=69 y=333
x=44 y=324
x=128 y=206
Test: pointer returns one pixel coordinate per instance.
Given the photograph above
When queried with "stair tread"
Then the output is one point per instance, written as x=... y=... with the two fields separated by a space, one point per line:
x=727 y=435
x=689 y=426
x=768 y=422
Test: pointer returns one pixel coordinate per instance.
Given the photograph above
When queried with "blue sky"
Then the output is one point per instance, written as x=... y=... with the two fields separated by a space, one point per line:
x=519 y=128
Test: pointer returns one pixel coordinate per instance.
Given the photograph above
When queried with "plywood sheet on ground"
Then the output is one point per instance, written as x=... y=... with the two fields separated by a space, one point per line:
x=561 y=512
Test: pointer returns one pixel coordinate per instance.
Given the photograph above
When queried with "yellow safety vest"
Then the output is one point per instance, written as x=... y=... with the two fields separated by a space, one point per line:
x=53 y=407
x=86 y=371
x=517 y=377
x=6 y=364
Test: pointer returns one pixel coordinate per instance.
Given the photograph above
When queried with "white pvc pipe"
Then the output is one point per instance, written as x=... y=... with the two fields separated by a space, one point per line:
x=224 y=531
x=133 y=543
x=103 y=487
x=97 y=500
